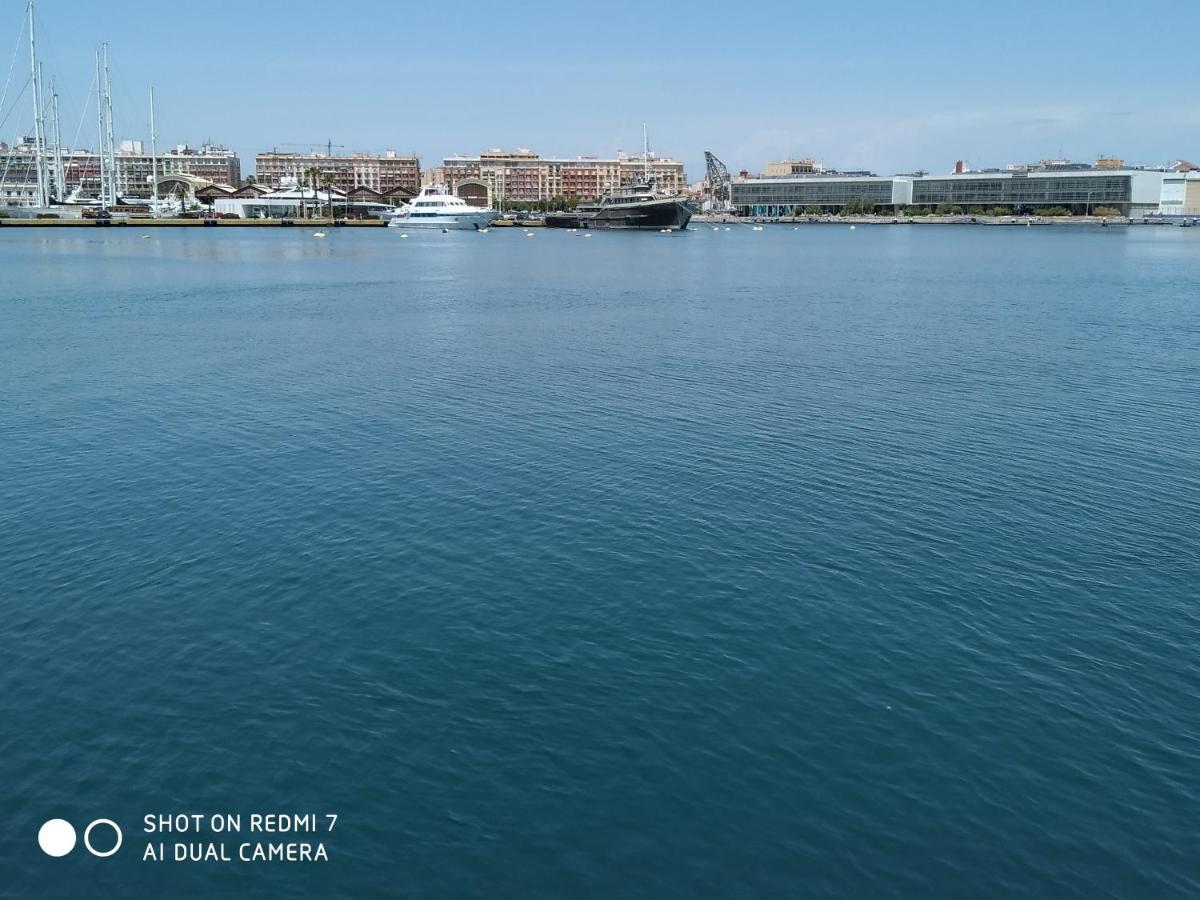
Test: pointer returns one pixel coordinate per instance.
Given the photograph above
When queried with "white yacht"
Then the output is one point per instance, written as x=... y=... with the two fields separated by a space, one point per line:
x=433 y=209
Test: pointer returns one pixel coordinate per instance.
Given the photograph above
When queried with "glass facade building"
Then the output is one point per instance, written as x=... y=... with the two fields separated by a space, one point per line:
x=1026 y=191
x=791 y=196
x=1130 y=192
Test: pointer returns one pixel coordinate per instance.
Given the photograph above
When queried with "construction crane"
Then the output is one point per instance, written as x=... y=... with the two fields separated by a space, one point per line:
x=717 y=181
x=309 y=145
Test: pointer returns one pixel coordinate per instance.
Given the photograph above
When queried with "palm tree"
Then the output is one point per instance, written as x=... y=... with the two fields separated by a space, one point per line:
x=327 y=183
x=308 y=178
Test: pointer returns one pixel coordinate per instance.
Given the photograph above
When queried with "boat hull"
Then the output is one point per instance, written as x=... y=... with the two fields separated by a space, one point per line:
x=465 y=222
x=565 y=220
x=656 y=215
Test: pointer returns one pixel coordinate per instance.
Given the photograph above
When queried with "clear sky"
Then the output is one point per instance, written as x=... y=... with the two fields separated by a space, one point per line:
x=887 y=86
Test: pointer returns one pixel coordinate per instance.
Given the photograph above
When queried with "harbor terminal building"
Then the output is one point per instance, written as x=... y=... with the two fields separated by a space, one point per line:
x=1135 y=193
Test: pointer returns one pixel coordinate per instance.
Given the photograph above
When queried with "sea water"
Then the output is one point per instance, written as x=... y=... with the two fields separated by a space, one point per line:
x=792 y=563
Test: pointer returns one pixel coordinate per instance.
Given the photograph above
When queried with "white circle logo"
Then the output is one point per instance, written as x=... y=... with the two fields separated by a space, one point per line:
x=56 y=837
x=87 y=837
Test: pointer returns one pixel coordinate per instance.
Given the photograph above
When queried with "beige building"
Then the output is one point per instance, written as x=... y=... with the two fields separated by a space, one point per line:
x=135 y=166
x=357 y=170
x=785 y=168
x=523 y=175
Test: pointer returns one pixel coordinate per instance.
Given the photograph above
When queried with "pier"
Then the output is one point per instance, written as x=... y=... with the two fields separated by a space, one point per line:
x=149 y=222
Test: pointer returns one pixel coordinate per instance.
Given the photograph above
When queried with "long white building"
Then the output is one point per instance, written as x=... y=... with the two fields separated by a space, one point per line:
x=1135 y=193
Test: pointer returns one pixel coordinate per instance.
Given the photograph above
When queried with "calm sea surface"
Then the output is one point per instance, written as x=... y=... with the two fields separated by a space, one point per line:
x=793 y=563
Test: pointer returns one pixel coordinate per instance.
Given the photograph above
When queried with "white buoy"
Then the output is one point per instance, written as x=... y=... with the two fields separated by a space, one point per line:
x=404 y=235
x=588 y=234
x=727 y=228
x=851 y=227
x=318 y=234
x=715 y=228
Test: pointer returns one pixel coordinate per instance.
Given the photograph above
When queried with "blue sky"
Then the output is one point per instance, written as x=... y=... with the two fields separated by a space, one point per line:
x=886 y=86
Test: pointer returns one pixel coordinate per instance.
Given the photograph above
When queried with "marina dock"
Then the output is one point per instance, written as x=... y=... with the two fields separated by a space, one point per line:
x=148 y=222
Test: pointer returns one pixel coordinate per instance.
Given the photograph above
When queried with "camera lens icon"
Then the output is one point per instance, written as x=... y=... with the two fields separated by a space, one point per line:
x=87 y=837
x=56 y=837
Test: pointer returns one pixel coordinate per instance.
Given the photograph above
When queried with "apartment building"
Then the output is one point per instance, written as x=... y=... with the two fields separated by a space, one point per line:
x=523 y=175
x=381 y=173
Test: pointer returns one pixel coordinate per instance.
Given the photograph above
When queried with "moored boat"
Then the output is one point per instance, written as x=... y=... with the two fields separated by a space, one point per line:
x=639 y=206
x=433 y=209
x=636 y=207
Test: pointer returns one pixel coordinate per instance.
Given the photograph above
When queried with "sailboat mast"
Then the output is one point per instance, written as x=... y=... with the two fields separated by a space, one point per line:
x=108 y=128
x=100 y=155
x=153 y=152
x=47 y=159
x=39 y=114
x=60 y=169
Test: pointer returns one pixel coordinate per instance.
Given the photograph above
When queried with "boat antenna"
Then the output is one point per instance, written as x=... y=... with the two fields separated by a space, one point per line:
x=645 y=154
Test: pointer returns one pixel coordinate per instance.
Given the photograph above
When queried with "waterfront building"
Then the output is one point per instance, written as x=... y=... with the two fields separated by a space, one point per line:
x=81 y=170
x=388 y=172
x=252 y=202
x=525 y=176
x=793 y=195
x=1181 y=193
x=1132 y=192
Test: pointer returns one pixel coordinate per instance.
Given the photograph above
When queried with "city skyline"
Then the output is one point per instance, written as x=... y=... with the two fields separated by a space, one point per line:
x=881 y=90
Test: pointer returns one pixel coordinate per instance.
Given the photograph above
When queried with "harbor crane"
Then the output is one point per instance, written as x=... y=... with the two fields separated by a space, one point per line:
x=717 y=181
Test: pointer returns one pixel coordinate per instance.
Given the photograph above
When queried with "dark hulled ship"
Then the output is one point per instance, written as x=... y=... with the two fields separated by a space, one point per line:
x=638 y=206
